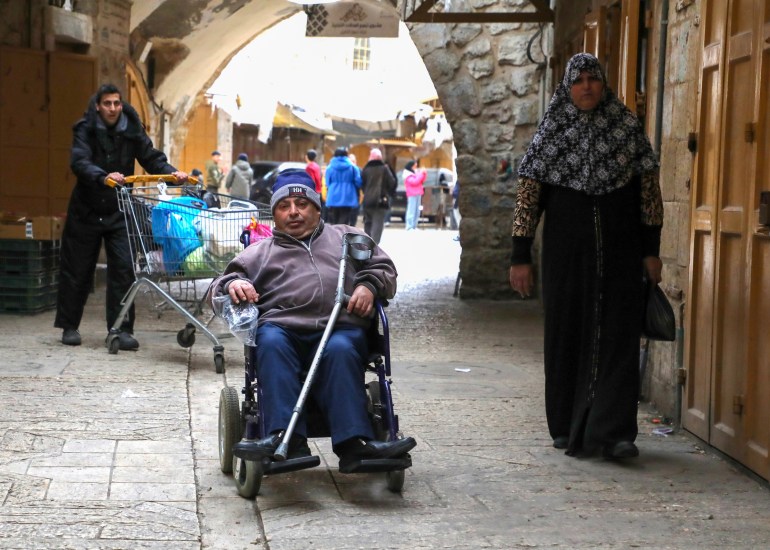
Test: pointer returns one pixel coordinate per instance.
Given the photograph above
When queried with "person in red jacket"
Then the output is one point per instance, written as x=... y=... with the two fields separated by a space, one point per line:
x=313 y=169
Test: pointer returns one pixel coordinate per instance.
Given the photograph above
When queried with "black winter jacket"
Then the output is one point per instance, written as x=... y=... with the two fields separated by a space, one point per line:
x=377 y=182
x=98 y=151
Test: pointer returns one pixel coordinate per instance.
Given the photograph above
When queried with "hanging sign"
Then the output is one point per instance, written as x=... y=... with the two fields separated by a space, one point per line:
x=356 y=19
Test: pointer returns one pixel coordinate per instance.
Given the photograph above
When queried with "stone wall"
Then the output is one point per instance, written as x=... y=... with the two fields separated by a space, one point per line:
x=680 y=95
x=490 y=91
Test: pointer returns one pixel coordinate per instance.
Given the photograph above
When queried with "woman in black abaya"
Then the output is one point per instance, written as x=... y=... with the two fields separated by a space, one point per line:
x=591 y=171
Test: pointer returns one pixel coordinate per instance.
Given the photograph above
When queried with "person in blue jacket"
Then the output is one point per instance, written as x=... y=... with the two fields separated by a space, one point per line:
x=343 y=180
x=106 y=142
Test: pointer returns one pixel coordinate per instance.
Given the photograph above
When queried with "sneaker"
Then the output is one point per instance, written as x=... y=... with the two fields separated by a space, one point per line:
x=70 y=337
x=127 y=342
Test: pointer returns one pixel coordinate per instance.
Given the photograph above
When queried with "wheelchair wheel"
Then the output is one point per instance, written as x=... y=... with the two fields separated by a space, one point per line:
x=375 y=411
x=394 y=479
x=229 y=427
x=248 y=477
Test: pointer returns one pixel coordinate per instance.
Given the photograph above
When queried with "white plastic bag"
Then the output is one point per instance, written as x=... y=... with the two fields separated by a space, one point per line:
x=241 y=318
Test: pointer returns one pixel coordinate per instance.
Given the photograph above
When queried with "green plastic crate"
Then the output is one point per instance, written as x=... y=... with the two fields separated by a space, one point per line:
x=22 y=301
x=23 y=263
x=28 y=245
x=28 y=280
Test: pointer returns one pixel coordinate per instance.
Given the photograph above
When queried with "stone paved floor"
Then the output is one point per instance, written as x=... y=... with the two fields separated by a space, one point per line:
x=120 y=451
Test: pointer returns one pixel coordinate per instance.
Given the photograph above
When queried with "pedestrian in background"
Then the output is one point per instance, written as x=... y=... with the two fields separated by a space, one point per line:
x=353 y=220
x=343 y=180
x=455 y=217
x=590 y=168
x=414 y=180
x=239 y=179
x=378 y=185
x=214 y=173
x=106 y=143
x=313 y=169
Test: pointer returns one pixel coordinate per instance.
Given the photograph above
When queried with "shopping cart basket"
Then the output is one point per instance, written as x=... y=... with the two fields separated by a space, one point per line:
x=175 y=236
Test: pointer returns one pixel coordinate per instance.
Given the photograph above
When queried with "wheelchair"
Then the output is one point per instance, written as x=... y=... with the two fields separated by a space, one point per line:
x=239 y=420
x=245 y=420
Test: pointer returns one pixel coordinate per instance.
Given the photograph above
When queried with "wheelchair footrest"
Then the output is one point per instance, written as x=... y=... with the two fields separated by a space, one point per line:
x=372 y=465
x=290 y=465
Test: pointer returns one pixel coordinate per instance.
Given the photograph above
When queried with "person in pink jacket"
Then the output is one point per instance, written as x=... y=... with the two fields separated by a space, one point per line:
x=414 y=178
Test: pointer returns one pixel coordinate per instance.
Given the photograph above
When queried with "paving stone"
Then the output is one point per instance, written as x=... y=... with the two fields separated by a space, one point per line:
x=119 y=452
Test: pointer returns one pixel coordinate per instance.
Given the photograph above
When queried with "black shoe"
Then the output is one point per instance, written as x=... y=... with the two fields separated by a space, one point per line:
x=257 y=449
x=266 y=447
x=560 y=442
x=620 y=449
x=127 y=342
x=298 y=447
x=357 y=448
x=70 y=337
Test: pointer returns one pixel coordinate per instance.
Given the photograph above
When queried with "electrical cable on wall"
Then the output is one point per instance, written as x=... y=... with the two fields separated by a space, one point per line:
x=539 y=32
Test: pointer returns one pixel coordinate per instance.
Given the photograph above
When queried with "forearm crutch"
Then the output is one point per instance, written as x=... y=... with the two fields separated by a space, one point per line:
x=359 y=247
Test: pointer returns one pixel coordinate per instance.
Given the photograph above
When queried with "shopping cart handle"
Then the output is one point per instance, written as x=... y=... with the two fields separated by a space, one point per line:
x=150 y=178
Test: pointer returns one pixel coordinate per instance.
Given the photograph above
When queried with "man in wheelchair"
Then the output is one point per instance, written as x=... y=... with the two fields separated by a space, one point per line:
x=292 y=276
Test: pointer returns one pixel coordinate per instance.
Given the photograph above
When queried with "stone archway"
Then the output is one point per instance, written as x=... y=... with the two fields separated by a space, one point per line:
x=485 y=80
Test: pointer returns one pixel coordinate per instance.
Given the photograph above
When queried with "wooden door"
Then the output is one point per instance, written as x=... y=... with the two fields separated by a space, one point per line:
x=72 y=81
x=756 y=410
x=726 y=360
x=23 y=131
x=734 y=177
x=629 y=51
x=201 y=139
x=700 y=311
x=594 y=33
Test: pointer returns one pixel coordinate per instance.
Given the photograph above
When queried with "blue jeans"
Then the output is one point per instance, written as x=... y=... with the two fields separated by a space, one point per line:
x=338 y=388
x=413 y=211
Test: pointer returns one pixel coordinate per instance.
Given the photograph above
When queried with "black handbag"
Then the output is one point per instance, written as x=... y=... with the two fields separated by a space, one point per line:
x=659 y=321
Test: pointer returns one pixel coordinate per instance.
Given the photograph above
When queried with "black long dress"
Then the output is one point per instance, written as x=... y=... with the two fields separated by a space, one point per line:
x=593 y=295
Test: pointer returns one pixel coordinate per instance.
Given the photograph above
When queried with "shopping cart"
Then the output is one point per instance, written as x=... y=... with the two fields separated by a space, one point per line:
x=175 y=236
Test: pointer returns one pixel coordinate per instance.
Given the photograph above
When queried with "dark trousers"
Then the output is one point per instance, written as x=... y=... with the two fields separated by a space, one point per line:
x=374 y=222
x=338 y=388
x=81 y=243
x=338 y=214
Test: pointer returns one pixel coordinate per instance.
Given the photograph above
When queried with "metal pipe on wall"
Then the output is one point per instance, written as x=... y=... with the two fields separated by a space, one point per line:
x=680 y=372
x=661 y=75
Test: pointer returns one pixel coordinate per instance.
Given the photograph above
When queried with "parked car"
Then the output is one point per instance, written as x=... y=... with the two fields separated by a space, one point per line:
x=262 y=188
x=262 y=167
x=434 y=190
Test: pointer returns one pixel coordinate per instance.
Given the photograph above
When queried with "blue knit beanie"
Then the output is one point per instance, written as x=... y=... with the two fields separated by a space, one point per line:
x=294 y=183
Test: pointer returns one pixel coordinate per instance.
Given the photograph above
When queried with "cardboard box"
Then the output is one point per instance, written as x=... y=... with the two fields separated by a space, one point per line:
x=45 y=228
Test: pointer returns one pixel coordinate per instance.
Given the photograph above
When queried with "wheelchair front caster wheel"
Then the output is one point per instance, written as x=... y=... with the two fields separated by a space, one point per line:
x=395 y=480
x=113 y=344
x=248 y=477
x=186 y=336
x=219 y=362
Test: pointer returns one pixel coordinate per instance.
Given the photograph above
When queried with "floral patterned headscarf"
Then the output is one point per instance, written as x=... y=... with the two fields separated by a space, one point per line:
x=594 y=151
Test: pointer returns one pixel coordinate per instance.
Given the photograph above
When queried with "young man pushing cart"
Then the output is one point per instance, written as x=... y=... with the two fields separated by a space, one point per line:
x=106 y=142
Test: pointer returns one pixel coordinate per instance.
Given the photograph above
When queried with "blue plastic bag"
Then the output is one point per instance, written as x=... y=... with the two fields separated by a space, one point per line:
x=174 y=229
